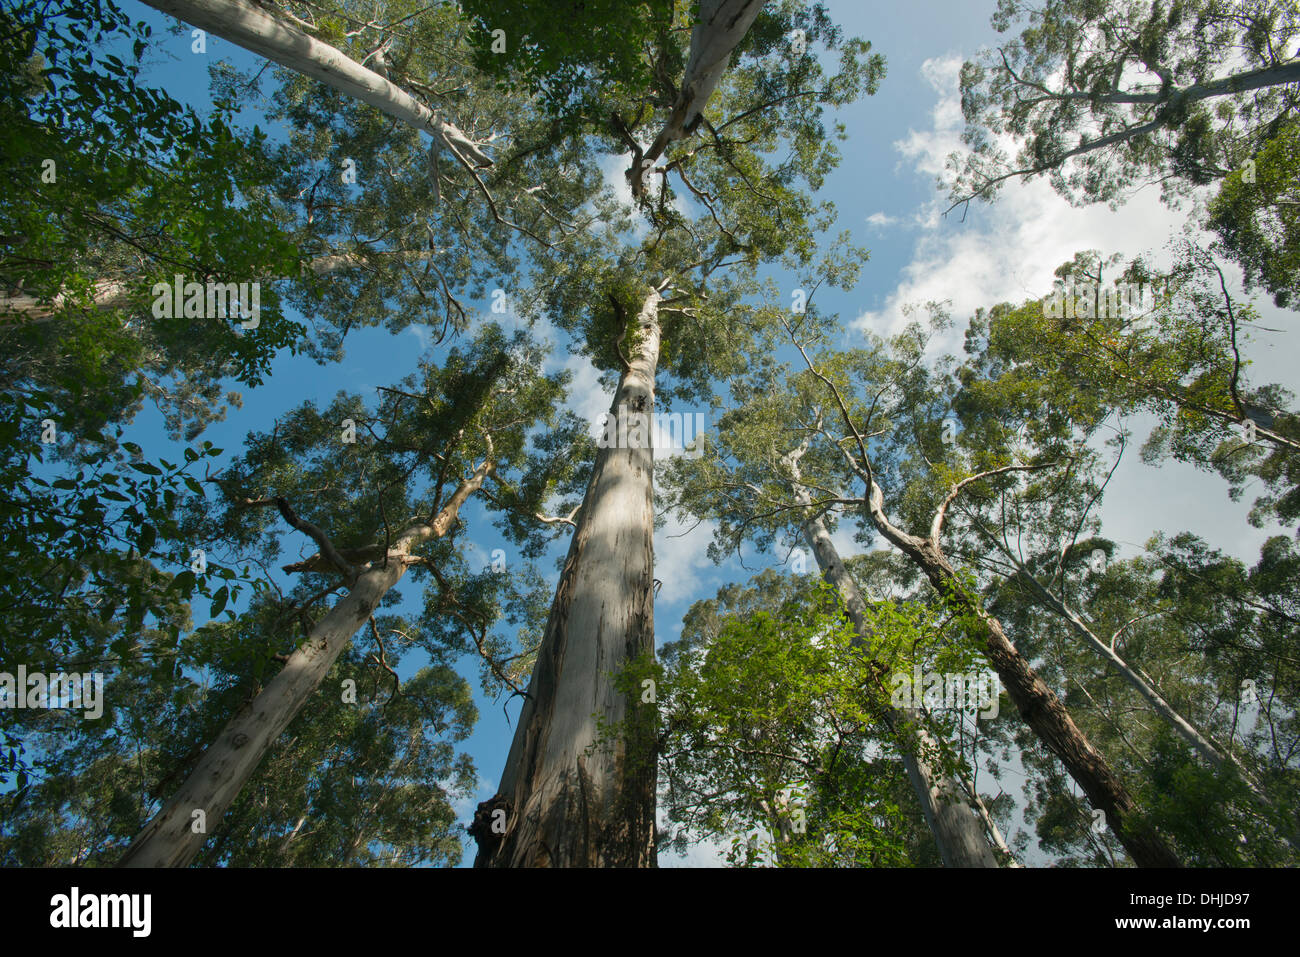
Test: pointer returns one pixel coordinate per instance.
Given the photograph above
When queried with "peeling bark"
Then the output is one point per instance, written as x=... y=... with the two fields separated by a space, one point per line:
x=572 y=793
x=168 y=840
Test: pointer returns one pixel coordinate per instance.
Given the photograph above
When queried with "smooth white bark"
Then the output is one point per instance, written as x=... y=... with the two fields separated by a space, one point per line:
x=248 y=26
x=570 y=795
x=105 y=294
x=722 y=25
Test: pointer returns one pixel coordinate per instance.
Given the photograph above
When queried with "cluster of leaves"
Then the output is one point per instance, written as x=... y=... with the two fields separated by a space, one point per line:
x=771 y=726
x=1257 y=217
x=95 y=546
x=122 y=186
x=552 y=50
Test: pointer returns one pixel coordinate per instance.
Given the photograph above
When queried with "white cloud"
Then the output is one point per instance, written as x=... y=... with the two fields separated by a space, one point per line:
x=586 y=398
x=881 y=220
x=423 y=335
x=682 y=563
x=1006 y=251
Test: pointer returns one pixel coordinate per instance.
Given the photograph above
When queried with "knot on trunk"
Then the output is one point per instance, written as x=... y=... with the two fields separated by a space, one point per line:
x=491 y=821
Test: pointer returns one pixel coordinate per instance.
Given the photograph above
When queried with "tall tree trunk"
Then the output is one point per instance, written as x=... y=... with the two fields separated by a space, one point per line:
x=169 y=839
x=578 y=785
x=722 y=25
x=958 y=833
x=247 y=25
x=991 y=826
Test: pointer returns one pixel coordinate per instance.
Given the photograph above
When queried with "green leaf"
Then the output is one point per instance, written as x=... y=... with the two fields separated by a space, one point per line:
x=219 y=601
x=184 y=583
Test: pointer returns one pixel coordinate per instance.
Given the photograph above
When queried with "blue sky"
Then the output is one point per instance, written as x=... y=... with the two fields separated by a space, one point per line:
x=886 y=195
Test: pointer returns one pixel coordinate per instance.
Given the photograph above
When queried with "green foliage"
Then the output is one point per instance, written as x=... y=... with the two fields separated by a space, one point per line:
x=772 y=737
x=553 y=49
x=116 y=182
x=1104 y=97
x=1181 y=359
x=351 y=784
x=1257 y=217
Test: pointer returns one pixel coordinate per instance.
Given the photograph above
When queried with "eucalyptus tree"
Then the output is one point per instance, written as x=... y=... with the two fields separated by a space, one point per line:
x=1177 y=353
x=575 y=792
x=277 y=34
x=1030 y=540
x=390 y=486
x=361 y=779
x=1043 y=574
x=116 y=185
x=365 y=784
x=1256 y=214
x=771 y=724
x=1034 y=547
x=1147 y=626
x=356 y=223
x=556 y=59
x=866 y=415
x=1105 y=97
x=751 y=454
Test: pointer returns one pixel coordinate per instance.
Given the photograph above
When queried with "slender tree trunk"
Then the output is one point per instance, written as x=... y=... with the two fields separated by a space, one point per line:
x=170 y=838
x=578 y=788
x=995 y=834
x=1185 y=729
x=1038 y=705
x=957 y=831
x=284 y=846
